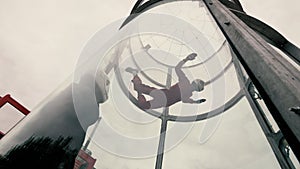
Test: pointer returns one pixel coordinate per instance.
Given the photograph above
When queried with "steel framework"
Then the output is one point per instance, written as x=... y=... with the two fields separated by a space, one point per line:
x=275 y=78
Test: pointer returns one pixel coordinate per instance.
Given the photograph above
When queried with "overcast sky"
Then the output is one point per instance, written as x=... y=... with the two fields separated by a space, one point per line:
x=40 y=41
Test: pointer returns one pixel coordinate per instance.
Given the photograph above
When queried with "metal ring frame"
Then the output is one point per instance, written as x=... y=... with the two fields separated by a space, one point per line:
x=199 y=117
x=279 y=41
x=154 y=113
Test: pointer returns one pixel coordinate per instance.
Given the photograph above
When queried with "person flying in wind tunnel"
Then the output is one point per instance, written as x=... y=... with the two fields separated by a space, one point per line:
x=181 y=91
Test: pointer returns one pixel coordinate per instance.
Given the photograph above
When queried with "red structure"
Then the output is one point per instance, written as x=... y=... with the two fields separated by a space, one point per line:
x=84 y=160
x=8 y=99
x=1 y=134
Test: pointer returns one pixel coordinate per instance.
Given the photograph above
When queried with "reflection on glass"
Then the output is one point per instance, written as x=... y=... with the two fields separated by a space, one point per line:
x=42 y=152
x=238 y=142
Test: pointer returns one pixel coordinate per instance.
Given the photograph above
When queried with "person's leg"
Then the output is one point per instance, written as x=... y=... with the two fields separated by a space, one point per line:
x=140 y=87
x=159 y=99
x=142 y=102
x=137 y=82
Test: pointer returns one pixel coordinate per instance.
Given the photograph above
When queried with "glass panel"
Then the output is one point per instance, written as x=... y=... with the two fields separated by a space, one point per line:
x=237 y=142
x=9 y=117
x=231 y=86
x=106 y=160
x=126 y=137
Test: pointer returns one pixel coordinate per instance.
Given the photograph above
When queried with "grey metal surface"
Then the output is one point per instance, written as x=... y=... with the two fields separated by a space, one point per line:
x=271 y=35
x=232 y=5
x=267 y=32
x=275 y=78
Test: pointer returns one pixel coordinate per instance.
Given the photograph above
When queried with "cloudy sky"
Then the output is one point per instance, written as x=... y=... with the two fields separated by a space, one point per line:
x=40 y=41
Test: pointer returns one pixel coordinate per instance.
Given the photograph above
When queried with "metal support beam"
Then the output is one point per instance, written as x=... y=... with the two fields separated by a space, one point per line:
x=163 y=128
x=275 y=78
x=266 y=127
x=161 y=145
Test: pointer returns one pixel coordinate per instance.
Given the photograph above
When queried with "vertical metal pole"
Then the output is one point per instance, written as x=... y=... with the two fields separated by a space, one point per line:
x=163 y=128
x=161 y=145
x=283 y=161
x=274 y=77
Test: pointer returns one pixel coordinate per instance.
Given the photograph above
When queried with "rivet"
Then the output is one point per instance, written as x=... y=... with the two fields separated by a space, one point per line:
x=295 y=110
x=227 y=23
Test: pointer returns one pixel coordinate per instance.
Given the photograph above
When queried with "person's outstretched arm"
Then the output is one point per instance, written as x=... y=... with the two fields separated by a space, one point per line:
x=179 y=72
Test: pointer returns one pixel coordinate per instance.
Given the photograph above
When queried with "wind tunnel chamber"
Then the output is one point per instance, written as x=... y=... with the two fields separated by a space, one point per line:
x=232 y=129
